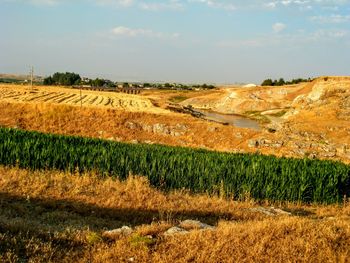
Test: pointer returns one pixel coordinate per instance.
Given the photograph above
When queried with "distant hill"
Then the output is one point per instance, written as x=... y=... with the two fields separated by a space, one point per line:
x=19 y=77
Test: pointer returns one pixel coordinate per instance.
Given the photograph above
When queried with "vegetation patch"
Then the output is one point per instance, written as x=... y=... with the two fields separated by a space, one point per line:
x=279 y=114
x=201 y=171
x=178 y=99
x=256 y=115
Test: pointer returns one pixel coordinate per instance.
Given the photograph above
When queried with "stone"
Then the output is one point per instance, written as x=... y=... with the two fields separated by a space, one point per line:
x=175 y=133
x=117 y=233
x=195 y=224
x=147 y=128
x=270 y=211
x=238 y=135
x=263 y=210
x=211 y=129
x=131 y=125
x=280 y=211
x=175 y=230
x=160 y=128
x=253 y=143
x=181 y=127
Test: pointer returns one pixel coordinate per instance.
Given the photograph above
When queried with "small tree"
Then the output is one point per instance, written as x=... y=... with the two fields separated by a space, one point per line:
x=281 y=82
x=48 y=81
x=267 y=82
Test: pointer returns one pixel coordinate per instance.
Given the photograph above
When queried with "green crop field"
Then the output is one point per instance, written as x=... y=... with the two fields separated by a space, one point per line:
x=232 y=175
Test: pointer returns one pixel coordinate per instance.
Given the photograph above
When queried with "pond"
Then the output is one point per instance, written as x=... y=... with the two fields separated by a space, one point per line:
x=230 y=119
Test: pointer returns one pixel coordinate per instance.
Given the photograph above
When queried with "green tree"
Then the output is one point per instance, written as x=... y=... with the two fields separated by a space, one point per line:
x=98 y=82
x=267 y=82
x=65 y=79
x=281 y=82
x=48 y=81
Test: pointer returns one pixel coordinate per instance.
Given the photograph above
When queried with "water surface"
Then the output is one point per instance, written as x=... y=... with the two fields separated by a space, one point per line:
x=230 y=119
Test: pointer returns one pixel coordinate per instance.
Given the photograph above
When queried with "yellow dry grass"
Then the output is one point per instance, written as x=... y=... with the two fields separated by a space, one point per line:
x=122 y=125
x=73 y=97
x=57 y=217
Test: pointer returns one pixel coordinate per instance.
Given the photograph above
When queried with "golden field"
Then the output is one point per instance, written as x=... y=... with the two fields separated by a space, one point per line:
x=57 y=217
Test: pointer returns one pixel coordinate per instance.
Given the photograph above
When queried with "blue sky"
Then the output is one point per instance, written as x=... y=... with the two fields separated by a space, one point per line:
x=177 y=40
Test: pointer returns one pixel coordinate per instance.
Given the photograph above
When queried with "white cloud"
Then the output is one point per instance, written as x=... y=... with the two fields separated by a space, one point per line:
x=270 y=5
x=329 y=34
x=156 y=6
x=229 y=6
x=144 y=5
x=141 y=32
x=36 y=2
x=117 y=3
x=44 y=2
x=278 y=27
x=334 y=19
x=305 y=5
x=301 y=38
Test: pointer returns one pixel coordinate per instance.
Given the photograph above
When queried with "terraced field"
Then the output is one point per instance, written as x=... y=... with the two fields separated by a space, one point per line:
x=60 y=95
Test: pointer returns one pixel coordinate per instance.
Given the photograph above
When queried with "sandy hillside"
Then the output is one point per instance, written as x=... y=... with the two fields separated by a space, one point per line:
x=238 y=100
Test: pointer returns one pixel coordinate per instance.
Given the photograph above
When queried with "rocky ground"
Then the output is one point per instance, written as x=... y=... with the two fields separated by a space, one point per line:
x=317 y=125
x=307 y=120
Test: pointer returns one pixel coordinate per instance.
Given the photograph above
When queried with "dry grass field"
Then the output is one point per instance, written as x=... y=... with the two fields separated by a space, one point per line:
x=56 y=217
x=143 y=127
x=69 y=96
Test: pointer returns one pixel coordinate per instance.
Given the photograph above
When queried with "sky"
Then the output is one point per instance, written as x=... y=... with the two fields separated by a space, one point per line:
x=190 y=41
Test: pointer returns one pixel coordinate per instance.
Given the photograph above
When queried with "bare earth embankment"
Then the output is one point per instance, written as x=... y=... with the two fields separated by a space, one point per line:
x=306 y=120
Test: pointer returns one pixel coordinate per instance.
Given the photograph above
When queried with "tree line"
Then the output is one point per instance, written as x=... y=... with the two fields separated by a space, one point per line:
x=281 y=82
x=64 y=79
x=72 y=79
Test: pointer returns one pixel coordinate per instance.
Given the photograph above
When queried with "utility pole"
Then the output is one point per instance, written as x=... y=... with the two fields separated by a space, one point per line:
x=81 y=100
x=31 y=76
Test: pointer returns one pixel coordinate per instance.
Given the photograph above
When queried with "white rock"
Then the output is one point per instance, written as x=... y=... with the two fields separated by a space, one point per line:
x=116 y=233
x=175 y=230
x=195 y=224
x=270 y=211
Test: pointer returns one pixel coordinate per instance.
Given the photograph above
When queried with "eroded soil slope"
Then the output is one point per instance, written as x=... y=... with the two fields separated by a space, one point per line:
x=305 y=120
